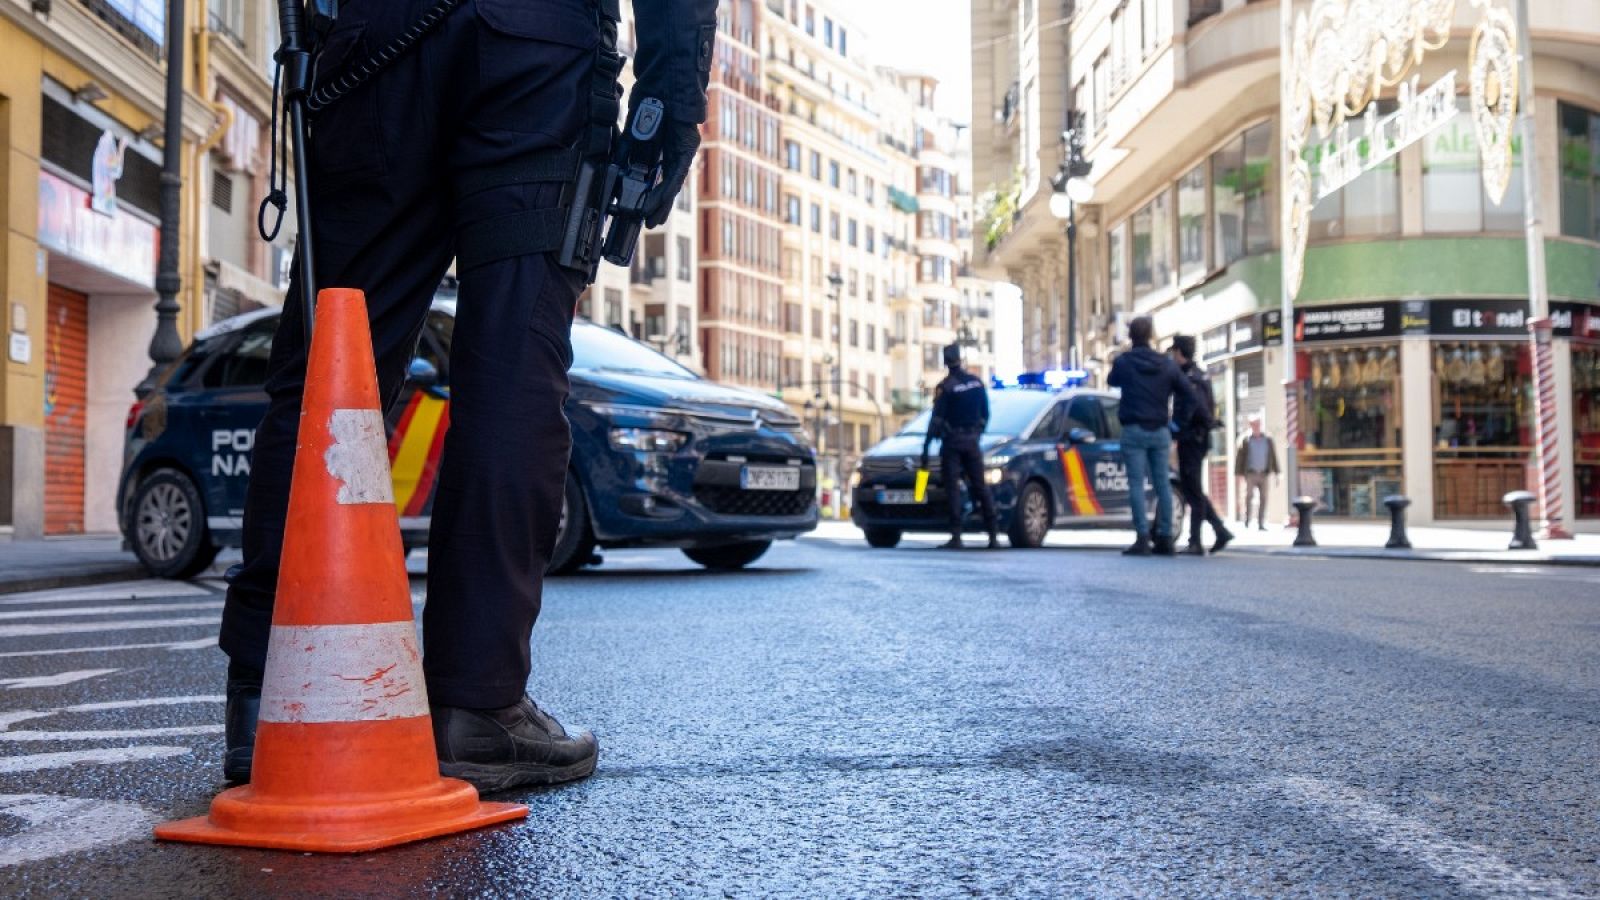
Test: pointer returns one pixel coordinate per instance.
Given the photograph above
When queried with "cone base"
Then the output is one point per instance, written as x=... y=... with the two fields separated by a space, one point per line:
x=309 y=828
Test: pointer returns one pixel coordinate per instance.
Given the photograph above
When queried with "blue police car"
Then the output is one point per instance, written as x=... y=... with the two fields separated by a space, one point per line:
x=660 y=456
x=1052 y=459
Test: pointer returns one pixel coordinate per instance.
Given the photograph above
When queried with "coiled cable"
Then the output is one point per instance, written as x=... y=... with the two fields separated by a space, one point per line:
x=361 y=72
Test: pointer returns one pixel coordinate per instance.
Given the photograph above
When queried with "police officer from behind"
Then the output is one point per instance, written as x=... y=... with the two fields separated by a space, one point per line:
x=466 y=148
x=960 y=413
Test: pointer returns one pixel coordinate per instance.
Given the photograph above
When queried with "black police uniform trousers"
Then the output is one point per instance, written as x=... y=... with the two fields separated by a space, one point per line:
x=1192 y=449
x=960 y=457
x=497 y=80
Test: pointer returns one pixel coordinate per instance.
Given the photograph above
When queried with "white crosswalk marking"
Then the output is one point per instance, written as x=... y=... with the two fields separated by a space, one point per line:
x=65 y=678
x=199 y=644
x=10 y=765
x=113 y=625
x=124 y=734
x=56 y=612
x=56 y=826
x=129 y=591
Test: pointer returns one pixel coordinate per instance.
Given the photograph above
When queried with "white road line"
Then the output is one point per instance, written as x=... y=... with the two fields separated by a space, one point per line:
x=1476 y=868
x=126 y=734
x=11 y=765
x=8 y=719
x=200 y=644
x=114 y=625
x=57 y=612
x=65 y=678
x=56 y=826
x=156 y=589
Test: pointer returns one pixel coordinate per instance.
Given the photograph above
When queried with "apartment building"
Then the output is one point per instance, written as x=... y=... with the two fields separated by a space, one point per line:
x=1178 y=100
x=82 y=88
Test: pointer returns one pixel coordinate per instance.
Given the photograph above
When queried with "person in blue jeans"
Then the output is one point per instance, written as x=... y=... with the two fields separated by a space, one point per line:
x=1149 y=381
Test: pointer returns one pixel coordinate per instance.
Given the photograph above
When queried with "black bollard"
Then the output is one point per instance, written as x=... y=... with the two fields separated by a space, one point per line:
x=1305 y=505
x=1397 y=522
x=1522 y=537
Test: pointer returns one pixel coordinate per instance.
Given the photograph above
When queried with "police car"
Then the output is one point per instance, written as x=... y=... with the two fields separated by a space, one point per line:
x=1052 y=459
x=660 y=456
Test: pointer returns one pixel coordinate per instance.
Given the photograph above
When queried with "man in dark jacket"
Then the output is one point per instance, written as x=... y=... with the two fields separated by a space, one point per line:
x=1148 y=381
x=1192 y=422
x=960 y=413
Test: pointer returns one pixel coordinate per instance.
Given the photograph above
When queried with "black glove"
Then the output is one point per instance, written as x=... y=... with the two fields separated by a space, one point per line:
x=679 y=141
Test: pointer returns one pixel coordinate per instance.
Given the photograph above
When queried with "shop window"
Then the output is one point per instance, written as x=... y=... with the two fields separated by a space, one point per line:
x=1580 y=172
x=1482 y=426
x=1586 y=425
x=1116 y=265
x=1242 y=191
x=1453 y=196
x=1350 y=420
x=1366 y=207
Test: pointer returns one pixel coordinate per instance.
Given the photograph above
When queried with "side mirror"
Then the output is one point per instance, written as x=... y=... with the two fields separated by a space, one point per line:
x=422 y=373
x=1081 y=436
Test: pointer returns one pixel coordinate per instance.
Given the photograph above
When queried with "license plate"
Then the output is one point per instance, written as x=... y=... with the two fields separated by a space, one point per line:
x=769 y=478
x=897 y=498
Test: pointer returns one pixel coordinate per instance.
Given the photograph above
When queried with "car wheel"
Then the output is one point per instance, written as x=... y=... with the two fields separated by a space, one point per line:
x=168 y=526
x=883 y=538
x=574 y=541
x=728 y=557
x=1030 y=522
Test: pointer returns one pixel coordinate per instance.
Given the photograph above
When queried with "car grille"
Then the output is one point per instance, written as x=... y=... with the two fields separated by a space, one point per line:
x=884 y=466
x=934 y=509
x=732 y=501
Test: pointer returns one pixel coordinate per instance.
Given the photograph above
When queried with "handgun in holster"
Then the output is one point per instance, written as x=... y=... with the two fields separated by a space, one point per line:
x=608 y=196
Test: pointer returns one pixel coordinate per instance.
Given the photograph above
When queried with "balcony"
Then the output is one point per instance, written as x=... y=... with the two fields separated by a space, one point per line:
x=1200 y=10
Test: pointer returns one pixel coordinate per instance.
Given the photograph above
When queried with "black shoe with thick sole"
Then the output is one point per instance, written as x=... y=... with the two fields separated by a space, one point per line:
x=994 y=542
x=1163 y=546
x=1222 y=541
x=953 y=544
x=1140 y=547
x=239 y=726
x=518 y=746
x=1194 y=548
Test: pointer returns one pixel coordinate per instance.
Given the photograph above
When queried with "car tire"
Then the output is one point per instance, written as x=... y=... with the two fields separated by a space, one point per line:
x=728 y=557
x=1030 y=521
x=574 y=540
x=167 y=526
x=883 y=538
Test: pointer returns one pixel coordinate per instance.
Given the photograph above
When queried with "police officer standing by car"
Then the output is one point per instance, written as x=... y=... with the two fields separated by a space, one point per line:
x=475 y=143
x=960 y=414
x=1193 y=422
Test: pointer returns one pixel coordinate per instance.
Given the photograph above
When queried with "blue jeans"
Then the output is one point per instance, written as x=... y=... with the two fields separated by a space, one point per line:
x=1146 y=453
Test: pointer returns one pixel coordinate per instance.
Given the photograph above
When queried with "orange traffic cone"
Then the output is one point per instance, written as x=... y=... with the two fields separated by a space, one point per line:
x=344 y=756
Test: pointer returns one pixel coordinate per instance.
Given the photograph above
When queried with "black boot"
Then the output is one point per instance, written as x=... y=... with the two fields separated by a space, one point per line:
x=1194 y=548
x=1163 y=545
x=1140 y=547
x=994 y=540
x=1224 y=536
x=499 y=749
x=953 y=544
x=239 y=723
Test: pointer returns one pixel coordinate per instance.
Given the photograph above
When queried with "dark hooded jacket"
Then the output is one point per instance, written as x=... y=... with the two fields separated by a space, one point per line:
x=1149 y=380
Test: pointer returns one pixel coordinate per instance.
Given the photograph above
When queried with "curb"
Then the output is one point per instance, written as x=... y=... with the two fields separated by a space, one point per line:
x=1430 y=556
x=25 y=584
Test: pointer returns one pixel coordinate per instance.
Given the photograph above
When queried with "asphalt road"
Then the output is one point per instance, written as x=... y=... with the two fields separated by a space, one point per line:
x=842 y=721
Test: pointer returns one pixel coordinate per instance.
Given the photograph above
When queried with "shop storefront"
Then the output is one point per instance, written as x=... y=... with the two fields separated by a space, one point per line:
x=1351 y=416
x=1582 y=324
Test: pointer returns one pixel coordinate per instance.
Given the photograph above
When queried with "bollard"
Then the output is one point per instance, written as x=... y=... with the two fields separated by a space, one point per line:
x=1304 y=505
x=1397 y=522
x=1522 y=537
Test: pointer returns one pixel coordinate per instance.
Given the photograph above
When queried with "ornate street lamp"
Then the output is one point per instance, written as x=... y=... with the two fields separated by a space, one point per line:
x=166 y=345
x=1071 y=187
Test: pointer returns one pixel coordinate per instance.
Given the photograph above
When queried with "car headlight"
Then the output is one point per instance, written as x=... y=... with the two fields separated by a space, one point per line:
x=647 y=440
x=995 y=474
x=855 y=479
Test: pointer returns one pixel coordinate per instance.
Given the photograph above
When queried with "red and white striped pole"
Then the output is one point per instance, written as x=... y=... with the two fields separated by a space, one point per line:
x=1547 y=461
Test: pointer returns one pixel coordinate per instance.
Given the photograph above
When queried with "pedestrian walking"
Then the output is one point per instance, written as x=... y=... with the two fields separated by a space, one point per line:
x=466 y=146
x=960 y=414
x=1149 y=381
x=1255 y=464
x=1193 y=421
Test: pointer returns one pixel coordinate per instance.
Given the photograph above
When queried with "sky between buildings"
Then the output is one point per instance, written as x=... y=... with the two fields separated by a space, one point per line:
x=931 y=36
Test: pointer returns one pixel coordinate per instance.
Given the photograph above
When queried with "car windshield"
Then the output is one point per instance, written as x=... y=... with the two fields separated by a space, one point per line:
x=598 y=349
x=1009 y=413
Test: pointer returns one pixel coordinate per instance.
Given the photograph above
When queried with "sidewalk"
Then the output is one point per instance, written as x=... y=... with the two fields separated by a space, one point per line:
x=1334 y=539
x=65 y=562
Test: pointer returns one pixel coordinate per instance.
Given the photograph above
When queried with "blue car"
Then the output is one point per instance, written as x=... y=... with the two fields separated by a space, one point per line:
x=1052 y=460
x=660 y=456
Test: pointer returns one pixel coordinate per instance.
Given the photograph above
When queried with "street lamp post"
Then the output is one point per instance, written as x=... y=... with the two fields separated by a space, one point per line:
x=1071 y=187
x=835 y=282
x=166 y=345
